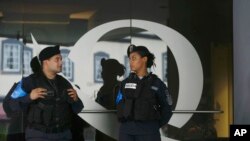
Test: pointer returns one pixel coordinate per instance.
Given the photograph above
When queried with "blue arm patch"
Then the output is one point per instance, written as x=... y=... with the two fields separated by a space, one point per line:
x=119 y=97
x=18 y=92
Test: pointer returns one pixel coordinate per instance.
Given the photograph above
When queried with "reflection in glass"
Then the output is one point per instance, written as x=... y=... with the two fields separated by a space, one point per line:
x=68 y=65
x=27 y=56
x=97 y=69
x=11 y=51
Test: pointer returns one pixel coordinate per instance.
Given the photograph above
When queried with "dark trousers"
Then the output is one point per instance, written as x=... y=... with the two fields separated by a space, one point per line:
x=36 y=135
x=146 y=137
x=16 y=137
x=39 y=139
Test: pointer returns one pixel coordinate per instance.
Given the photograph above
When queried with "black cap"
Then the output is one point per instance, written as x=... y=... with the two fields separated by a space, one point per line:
x=48 y=52
x=142 y=50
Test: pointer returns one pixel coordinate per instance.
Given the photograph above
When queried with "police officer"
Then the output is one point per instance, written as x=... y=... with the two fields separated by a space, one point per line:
x=143 y=101
x=49 y=98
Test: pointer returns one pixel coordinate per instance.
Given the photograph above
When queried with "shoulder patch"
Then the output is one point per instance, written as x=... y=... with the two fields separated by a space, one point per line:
x=18 y=92
x=154 y=88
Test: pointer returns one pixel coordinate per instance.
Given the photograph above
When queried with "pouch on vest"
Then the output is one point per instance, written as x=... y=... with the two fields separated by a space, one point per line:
x=128 y=108
x=46 y=113
x=37 y=115
x=47 y=116
x=120 y=107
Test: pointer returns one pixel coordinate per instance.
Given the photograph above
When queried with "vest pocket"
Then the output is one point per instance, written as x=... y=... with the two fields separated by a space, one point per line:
x=146 y=110
x=37 y=112
x=141 y=110
x=120 y=111
x=47 y=116
x=128 y=108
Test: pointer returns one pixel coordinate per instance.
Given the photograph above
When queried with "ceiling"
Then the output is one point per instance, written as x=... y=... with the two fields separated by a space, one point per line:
x=65 y=21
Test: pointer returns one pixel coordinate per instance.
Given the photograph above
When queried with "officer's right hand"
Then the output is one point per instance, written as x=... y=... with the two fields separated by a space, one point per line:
x=38 y=93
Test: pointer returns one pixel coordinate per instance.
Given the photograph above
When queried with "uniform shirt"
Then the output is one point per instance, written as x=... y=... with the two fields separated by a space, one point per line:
x=22 y=94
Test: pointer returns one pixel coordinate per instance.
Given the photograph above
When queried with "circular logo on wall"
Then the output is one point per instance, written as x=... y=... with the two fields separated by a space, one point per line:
x=188 y=64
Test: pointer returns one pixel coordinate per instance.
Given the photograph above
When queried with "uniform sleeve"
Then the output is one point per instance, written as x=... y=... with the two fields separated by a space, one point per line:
x=119 y=97
x=19 y=98
x=119 y=93
x=22 y=91
x=77 y=106
x=26 y=86
x=165 y=102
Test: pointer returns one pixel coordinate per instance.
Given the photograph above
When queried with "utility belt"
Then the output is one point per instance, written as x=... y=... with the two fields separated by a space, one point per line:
x=46 y=129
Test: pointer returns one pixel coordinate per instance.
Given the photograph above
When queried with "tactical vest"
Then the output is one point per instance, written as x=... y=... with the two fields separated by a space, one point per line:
x=53 y=113
x=139 y=99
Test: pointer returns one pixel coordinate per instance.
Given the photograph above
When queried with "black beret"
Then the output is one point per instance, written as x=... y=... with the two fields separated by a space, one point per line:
x=35 y=65
x=48 y=52
x=142 y=50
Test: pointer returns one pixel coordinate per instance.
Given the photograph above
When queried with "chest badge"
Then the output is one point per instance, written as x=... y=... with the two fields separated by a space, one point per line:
x=130 y=86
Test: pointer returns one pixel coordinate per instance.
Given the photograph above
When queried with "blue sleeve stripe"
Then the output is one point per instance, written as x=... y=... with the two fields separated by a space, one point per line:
x=119 y=97
x=18 y=92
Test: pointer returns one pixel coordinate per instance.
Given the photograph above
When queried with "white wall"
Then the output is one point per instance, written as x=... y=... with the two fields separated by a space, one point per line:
x=116 y=51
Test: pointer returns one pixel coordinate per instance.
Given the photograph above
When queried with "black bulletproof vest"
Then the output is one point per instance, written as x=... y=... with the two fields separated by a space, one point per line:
x=53 y=113
x=140 y=100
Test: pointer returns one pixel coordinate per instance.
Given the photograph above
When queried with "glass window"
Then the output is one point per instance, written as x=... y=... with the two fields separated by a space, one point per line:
x=68 y=65
x=97 y=66
x=11 y=56
x=104 y=29
x=27 y=56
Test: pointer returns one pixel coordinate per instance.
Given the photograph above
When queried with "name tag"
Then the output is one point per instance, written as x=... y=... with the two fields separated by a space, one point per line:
x=130 y=86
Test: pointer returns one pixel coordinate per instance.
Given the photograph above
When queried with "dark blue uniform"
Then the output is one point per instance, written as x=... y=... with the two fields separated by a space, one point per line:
x=144 y=105
x=48 y=119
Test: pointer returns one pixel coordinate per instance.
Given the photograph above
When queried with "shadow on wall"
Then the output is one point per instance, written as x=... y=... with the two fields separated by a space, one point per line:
x=106 y=96
x=111 y=68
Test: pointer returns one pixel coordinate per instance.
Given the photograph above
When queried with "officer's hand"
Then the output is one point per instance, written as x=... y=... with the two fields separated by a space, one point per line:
x=73 y=94
x=37 y=93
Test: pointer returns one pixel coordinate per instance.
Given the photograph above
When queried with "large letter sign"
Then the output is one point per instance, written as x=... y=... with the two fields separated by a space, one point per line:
x=188 y=63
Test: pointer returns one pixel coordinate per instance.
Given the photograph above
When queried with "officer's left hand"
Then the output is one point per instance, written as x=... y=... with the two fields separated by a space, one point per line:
x=73 y=94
